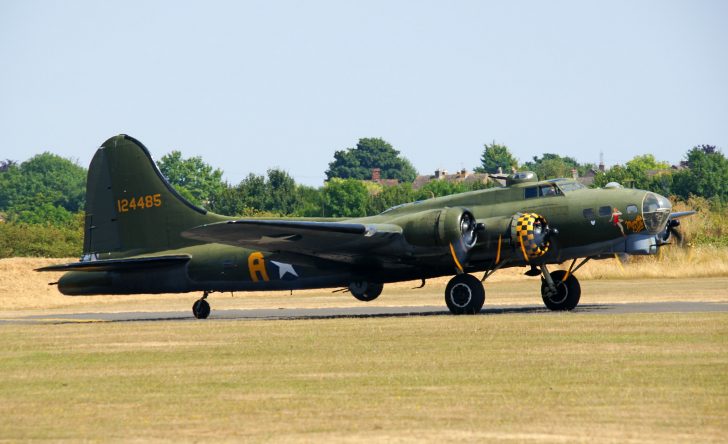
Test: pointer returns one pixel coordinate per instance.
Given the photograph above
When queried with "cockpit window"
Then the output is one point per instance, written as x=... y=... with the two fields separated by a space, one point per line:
x=569 y=185
x=542 y=191
x=549 y=190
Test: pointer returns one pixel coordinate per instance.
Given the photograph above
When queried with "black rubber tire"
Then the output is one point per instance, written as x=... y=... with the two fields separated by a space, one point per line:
x=569 y=292
x=464 y=294
x=366 y=291
x=201 y=309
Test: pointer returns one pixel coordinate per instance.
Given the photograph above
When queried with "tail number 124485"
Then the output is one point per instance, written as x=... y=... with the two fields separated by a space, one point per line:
x=139 y=203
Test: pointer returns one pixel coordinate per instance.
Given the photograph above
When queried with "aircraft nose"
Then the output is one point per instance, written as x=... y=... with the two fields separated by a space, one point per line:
x=655 y=212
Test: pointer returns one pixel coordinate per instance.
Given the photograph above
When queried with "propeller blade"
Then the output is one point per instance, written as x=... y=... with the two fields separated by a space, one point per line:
x=678 y=236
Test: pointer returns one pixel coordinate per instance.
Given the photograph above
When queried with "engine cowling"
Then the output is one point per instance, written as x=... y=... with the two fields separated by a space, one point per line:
x=440 y=227
x=530 y=232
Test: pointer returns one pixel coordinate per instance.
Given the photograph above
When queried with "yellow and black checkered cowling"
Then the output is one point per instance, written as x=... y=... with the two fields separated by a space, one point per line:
x=533 y=244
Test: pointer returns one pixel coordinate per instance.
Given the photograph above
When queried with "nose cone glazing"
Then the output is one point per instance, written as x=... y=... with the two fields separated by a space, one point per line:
x=655 y=211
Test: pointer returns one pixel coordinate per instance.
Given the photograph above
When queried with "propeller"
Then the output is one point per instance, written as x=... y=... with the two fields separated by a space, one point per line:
x=533 y=233
x=670 y=230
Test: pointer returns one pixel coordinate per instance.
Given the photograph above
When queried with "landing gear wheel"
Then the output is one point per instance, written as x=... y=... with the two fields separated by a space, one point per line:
x=464 y=294
x=201 y=309
x=567 y=292
x=366 y=291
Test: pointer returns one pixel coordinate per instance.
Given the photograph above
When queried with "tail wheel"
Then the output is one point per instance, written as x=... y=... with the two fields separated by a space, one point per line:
x=567 y=295
x=464 y=294
x=366 y=291
x=201 y=309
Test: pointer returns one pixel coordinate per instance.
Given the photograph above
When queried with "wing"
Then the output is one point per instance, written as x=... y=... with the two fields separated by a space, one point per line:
x=332 y=240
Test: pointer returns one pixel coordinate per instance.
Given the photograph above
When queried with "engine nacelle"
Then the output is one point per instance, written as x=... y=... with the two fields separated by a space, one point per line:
x=530 y=232
x=440 y=227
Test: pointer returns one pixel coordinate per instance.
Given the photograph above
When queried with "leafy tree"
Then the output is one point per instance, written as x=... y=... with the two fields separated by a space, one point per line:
x=281 y=194
x=309 y=201
x=661 y=183
x=496 y=156
x=43 y=240
x=192 y=177
x=7 y=164
x=274 y=195
x=439 y=188
x=551 y=166
x=254 y=190
x=230 y=202
x=45 y=189
x=388 y=197
x=247 y=198
x=707 y=175
x=345 y=198
x=617 y=173
x=635 y=174
x=370 y=153
x=647 y=162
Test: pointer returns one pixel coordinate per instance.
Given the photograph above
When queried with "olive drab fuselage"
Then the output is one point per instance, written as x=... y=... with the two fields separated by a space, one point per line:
x=141 y=236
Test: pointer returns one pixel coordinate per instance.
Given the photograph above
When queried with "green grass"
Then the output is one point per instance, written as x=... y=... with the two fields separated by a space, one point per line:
x=650 y=377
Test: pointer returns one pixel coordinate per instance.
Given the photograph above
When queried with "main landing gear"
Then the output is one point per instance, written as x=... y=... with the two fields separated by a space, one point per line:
x=560 y=290
x=201 y=308
x=464 y=294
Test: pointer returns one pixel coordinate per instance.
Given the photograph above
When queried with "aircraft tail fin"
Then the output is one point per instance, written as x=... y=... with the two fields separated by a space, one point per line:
x=130 y=206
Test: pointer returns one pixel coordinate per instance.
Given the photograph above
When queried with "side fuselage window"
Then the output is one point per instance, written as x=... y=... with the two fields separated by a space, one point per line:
x=589 y=214
x=531 y=192
x=605 y=211
x=632 y=209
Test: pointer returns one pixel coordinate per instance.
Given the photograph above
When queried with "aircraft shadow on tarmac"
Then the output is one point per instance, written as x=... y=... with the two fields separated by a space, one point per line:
x=488 y=311
x=344 y=313
x=363 y=312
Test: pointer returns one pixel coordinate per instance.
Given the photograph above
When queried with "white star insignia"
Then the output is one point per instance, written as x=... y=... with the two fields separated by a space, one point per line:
x=283 y=269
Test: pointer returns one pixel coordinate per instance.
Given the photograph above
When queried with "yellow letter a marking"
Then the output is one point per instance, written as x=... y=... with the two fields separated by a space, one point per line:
x=256 y=266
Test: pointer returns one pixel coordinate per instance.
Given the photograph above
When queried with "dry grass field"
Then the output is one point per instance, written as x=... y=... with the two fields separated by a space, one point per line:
x=555 y=377
x=509 y=378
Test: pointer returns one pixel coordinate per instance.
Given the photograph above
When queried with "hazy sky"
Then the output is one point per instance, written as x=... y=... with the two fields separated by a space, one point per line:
x=250 y=85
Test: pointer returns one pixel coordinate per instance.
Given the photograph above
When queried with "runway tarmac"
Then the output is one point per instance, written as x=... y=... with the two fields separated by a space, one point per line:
x=359 y=312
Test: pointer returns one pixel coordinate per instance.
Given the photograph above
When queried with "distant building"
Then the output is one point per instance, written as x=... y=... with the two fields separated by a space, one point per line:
x=377 y=178
x=653 y=173
x=588 y=178
x=462 y=176
x=683 y=165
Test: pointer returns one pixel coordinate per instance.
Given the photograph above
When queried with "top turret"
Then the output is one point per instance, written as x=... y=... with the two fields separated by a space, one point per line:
x=521 y=177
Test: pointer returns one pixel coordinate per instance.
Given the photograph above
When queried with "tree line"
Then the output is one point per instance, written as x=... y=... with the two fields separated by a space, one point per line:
x=49 y=191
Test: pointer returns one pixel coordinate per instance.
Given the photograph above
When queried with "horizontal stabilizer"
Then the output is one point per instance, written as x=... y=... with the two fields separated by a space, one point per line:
x=127 y=264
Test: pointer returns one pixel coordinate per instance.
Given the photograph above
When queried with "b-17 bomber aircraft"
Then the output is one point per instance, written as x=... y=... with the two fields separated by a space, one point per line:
x=141 y=236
